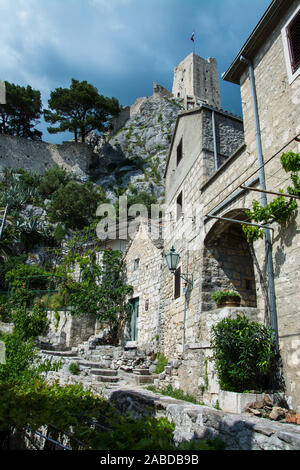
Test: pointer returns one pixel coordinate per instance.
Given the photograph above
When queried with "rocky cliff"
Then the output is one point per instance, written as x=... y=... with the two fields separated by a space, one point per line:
x=133 y=159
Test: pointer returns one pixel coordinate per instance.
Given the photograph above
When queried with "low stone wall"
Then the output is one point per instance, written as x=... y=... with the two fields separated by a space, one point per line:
x=238 y=432
x=67 y=331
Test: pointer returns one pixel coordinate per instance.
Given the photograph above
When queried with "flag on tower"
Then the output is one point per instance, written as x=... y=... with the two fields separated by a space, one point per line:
x=193 y=37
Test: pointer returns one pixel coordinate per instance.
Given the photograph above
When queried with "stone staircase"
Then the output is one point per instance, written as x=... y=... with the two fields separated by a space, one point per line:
x=101 y=367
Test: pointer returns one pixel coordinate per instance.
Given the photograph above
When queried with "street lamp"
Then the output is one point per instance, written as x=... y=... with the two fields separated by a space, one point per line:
x=172 y=259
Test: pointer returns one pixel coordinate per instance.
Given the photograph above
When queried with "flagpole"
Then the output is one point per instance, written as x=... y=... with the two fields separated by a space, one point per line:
x=194 y=40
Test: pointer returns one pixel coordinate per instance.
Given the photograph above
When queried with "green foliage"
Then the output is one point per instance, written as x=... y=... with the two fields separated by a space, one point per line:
x=74 y=368
x=75 y=204
x=59 y=233
x=162 y=361
x=174 y=393
x=219 y=295
x=52 y=180
x=21 y=112
x=79 y=109
x=280 y=209
x=101 y=291
x=25 y=274
x=290 y=161
x=243 y=353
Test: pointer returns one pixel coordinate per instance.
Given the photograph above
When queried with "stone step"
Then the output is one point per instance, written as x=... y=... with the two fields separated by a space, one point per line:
x=106 y=372
x=136 y=379
x=141 y=371
x=90 y=364
x=106 y=378
x=60 y=353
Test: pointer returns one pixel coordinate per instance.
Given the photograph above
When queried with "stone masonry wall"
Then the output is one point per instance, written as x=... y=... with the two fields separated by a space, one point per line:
x=278 y=104
x=16 y=152
x=143 y=262
x=238 y=432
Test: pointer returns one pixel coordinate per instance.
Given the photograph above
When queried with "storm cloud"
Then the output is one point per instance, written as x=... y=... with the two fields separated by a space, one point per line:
x=120 y=46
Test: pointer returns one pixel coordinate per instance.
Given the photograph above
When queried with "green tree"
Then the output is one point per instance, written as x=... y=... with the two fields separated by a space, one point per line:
x=79 y=109
x=75 y=204
x=21 y=112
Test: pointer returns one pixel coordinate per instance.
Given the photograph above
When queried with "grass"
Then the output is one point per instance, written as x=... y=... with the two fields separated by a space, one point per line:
x=175 y=393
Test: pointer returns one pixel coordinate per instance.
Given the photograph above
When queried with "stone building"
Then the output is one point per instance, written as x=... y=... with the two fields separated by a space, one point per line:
x=143 y=261
x=206 y=199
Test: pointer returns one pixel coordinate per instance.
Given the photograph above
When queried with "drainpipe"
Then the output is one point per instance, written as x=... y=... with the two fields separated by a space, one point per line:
x=214 y=139
x=262 y=181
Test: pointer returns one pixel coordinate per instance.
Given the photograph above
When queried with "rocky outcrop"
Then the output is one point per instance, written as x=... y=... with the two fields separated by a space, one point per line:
x=134 y=158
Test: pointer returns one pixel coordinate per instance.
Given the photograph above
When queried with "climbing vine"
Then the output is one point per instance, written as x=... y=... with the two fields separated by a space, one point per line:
x=279 y=210
x=101 y=290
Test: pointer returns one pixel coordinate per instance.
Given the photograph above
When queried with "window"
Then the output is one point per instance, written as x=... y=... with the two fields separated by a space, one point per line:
x=179 y=152
x=136 y=264
x=291 y=45
x=177 y=283
x=293 y=36
x=179 y=206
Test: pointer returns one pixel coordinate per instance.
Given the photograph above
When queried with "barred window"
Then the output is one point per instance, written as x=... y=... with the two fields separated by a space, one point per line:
x=293 y=35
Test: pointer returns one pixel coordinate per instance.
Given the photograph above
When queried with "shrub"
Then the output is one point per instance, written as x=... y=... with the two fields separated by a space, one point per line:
x=74 y=368
x=162 y=361
x=243 y=354
x=52 y=180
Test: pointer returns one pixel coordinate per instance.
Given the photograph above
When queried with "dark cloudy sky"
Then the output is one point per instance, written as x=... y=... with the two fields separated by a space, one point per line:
x=119 y=46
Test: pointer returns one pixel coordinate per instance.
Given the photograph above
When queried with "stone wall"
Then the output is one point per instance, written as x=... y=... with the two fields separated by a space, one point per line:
x=16 y=152
x=238 y=432
x=278 y=106
x=66 y=331
x=195 y=128
x=143 y=262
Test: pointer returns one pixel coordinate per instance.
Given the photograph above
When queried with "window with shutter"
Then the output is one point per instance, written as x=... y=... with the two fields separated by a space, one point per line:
x=177 y=283
x=293 y=35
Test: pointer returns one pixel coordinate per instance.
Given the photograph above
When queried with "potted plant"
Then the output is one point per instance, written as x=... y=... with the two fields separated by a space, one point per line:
x=226 y=298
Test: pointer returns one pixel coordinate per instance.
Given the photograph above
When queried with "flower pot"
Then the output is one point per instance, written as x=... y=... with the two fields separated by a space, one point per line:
x=230 y=301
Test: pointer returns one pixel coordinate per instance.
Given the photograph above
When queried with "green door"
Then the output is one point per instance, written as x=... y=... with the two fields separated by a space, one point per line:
x=134 y=304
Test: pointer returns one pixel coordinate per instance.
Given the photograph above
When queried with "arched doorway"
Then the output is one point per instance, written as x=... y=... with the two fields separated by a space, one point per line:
x=227 y=262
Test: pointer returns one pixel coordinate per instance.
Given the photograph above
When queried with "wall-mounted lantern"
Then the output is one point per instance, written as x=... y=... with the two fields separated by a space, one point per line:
x=172 y=259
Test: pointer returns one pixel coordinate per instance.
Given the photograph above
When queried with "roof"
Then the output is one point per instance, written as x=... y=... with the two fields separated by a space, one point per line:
x=259 y=35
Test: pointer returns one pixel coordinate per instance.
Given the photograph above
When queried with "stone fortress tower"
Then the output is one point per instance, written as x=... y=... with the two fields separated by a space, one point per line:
x=196 y=79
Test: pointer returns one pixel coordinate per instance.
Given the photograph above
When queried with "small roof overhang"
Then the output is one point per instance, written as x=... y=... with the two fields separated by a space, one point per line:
x=260 y=34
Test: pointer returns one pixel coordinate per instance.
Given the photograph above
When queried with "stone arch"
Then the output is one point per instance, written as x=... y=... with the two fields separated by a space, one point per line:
x=227 y=262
